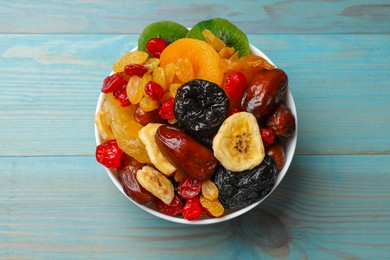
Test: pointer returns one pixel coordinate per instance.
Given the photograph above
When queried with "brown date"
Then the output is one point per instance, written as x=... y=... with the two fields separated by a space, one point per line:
x=282 y=121
x=143 y=118
x=185 y=153
x=127 y=175
x=264 y=92
x=276 y=152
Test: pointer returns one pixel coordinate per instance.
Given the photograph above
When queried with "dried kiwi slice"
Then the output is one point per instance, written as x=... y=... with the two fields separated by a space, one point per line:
x=230 y=34
x=168 y=30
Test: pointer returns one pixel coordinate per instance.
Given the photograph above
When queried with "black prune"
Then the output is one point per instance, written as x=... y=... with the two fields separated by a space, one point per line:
x=240 y=189
x=200 y=108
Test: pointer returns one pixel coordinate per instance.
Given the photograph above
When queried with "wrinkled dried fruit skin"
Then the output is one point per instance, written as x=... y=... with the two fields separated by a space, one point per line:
x=185 y=153
x=144 y=118
x=237 y=190
x=127 y=175
x=282 y=121
x=200 y=107
x=276 y=152
x=264 y=92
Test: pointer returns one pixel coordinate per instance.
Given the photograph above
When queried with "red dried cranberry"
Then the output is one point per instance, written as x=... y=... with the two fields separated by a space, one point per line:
x=121 y=95
x=135 y=69
x=155 y=46
x=174 y=208
x=166 y=109
x=154 y=90
x=268 y=136
x=192 y=209
x=109 y=154
x=235 y=85
x=111 y=83
x=232 y=111
x=189 y=188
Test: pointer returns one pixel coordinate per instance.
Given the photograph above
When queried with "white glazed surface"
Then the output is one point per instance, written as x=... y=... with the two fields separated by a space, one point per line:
x=289 y=148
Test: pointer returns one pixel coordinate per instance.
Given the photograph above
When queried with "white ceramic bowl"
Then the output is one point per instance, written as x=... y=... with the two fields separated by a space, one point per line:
x=289 y=148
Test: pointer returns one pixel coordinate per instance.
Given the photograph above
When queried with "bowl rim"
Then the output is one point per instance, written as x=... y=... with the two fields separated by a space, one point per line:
x=291 y=142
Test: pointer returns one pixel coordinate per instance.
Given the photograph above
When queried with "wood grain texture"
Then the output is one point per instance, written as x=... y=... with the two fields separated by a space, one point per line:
x=50 y=84
x=267 y=16
x=328 y=206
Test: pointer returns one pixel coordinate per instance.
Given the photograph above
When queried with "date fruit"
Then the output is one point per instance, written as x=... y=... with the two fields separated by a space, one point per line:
x=264 y=92
x=127 y=175
x=185 y=153
x=276 y=152
x=143 y=118
x=282 y=121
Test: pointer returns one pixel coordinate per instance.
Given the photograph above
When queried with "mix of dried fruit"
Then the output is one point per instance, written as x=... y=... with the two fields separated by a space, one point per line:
x=192 y=121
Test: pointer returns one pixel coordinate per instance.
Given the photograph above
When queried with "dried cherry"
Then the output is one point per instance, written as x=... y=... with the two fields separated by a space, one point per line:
x=174 y=208
x=109 y=154
x=200 y=108
x=240 y=189
x=189 y=188
x=192 y=209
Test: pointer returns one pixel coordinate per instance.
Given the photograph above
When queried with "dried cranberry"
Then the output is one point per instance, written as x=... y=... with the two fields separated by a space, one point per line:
x=166 y=109
x=268 y=136
x=192 y=209
x=111 y=83
x=109 y=154
x=121 y=95
x=154 y=90
x=135 y=69
x=155 y=46
x=235 y=85
x=189 y=188
x=174 y=208
x=232 y=111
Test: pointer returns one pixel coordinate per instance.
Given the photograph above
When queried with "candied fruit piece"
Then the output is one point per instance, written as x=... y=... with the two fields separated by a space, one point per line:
x=132 y=57
x=134 y=89
x=103 y=127
x=213 y=40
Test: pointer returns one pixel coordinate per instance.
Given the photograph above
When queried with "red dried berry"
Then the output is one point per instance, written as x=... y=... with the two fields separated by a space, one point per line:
x=174 y=208
x=154 y=90
x=166 y=109
x=121 y=95
x=135 y=69
x=189 y=188
x=235 y=85
x=109 y=154
x=192 y=209
x=111 y=83
x=268 y=136
x=155 y=46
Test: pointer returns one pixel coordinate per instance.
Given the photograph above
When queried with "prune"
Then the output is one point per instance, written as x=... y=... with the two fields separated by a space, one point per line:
x=127 y=175
x=264 y=92
x=282 y=121
x=200 y=108
x=240 y=189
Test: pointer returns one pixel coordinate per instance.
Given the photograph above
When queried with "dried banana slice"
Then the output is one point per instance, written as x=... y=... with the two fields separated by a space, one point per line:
x=156 y=183
x=147 y=136
x=238 y=144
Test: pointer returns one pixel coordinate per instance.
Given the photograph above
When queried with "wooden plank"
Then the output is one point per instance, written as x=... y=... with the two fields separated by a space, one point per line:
x=328 y=206
x=50 y=84
x=269 y=16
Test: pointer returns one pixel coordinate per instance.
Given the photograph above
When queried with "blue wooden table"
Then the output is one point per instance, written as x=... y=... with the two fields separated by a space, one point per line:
x=56 y=201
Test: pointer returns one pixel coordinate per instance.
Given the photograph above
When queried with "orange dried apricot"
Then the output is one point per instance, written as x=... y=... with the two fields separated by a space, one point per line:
x=204 y=58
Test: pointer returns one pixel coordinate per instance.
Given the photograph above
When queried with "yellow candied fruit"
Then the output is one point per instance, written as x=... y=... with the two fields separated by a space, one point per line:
x=134 y=89
x=213 y=40
x=226 y=52
x=151 y=64
x=173 y=89
x=169 y=71
x=159 y=77
x=210 y=190
x=103 y=127
x=148 y=104
x=137 y=57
